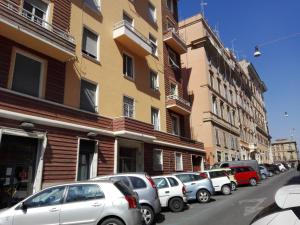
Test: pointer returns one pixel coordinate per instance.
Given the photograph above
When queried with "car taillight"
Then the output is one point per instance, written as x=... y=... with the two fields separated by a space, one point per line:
x=183 y=190
x=152 y=184
x=203 y=175
x=131 y=201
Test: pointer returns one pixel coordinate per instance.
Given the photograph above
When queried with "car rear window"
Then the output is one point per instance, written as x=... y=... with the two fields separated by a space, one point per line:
x=185 y=178
x=216 y=174
x=122 y=179
x=125 y=190
x=137 y=183
x=173 y=182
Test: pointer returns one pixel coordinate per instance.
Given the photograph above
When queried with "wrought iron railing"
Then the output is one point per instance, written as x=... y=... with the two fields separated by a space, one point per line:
x=19 y=10
x=124 y=23
x=176 y=97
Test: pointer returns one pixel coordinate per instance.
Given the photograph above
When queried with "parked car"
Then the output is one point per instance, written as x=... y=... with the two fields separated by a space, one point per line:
x=251 y=163
x=144 y=186
x=232 y=179
x=245 y=175
x=171 y=192
x=264 y=172
x=273 y=169
x=285 y=210
x=286 y=165
x=281 y=167
x=197 y=187
x=77 y=203
x=220 y=180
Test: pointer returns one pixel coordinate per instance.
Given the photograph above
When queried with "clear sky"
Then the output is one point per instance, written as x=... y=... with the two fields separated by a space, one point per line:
x=249 y=23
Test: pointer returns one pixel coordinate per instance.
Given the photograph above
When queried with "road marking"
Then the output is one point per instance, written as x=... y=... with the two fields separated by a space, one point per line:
x=252 y=205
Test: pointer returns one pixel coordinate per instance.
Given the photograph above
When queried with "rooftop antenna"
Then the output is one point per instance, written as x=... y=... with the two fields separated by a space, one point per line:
x=216 y=30
x=232 y=46
x=203 y=4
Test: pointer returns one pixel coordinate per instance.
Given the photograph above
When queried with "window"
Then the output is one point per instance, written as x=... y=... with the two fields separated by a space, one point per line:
x=219 y=86
x=128 y=107
x=170 y=5
x=225 y=140
x=173 y=89
x=226 y=156
x=155 y=120
x=87 y=160
x=84 y=192
x=214 y=105
x=35 y=10
x=128 y=19
x=90 y=43
x=48 y=197
x=232 y=143
x=178 y=162
x=219 y=156
x=211 y=80
x=137 y=183
x=154 y=84
x=225 y=92
x=27 y=75
x=217 y=137
x=222 y=110
x=170 y=25
x=122 y=179
x=161 y=183
x=94 y=4
x=152 y=12
x=128 y=66
x=153 y=43
x=88 y=96
x=157 y=160
x=173 y=182
x=173 y=59
x=228 y=115
x=175 y=124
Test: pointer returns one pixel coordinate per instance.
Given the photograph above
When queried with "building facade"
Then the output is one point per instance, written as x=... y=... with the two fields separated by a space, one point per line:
x=228 y=112
x=285 y=150
x=85 y=91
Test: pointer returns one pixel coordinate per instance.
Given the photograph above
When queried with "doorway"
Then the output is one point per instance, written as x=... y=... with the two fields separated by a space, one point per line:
x=127 y=160
x=196 y=161
x=17 y=168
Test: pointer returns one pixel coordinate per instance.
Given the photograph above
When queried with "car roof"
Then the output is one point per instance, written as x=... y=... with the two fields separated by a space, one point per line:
x=219 y=169
x=288 y=196
x=83 y=182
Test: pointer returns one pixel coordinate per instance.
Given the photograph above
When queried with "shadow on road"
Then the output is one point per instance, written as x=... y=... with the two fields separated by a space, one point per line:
x=294 y=179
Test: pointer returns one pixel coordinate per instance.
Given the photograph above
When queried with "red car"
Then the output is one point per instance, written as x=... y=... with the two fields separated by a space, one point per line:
x=245 y=175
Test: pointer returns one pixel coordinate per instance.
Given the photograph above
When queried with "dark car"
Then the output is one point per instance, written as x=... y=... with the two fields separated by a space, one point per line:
x=272 y=168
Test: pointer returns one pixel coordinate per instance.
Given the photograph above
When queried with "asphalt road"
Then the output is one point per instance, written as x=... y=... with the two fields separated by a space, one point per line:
x=239 y=208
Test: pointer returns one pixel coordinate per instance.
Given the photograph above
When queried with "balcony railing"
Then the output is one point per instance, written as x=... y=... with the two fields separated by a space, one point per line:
x=177 y=98
x=129 y=36
x=173 y=38
x=18 y=9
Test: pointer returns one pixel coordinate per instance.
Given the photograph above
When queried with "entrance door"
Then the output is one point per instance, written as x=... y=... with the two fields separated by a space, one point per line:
x=196 y=160
x=17 y=168
x=127 y=160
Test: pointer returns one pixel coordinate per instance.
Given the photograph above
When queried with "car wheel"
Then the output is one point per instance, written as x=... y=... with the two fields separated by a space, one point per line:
x=253 y=182
x=203 y=196
x=226 y=190
x=176 y=204
x=233 y=186
x=148 y=214
x=112 y=221
x=263 y=176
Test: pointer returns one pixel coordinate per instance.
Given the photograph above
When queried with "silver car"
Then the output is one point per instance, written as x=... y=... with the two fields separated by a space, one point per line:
x=90 y=203
x=146 y=189
x=197 y=187
x=264 y=172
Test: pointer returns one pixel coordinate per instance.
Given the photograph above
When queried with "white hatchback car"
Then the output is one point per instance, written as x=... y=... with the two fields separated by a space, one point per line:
x=220 y=180
x=94 y=203
x=285 y=210
x=171 y=192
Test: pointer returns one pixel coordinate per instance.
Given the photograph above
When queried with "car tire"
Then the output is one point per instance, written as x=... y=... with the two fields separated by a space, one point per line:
x=148 y=214
x=112 y=221
x=203 y=196
x=233 y=186
x=176 y=204
x=263 y=176
x=253 y=182
x=226 y=189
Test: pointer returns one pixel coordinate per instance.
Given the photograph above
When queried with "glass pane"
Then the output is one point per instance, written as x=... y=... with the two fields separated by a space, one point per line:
x=89 y=43
x=173 y=182
x=84 y=193
x=137 y=183
x=161 y=183
x=27 y=75
x=88 y=96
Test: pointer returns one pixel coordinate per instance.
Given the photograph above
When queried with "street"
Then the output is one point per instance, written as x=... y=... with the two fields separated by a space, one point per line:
x=237 y=209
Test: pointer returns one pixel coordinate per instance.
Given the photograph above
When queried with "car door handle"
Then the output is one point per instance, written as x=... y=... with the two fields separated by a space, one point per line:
x=167 y=192
x=193 y=183
x=54 y=210
x=96 y=204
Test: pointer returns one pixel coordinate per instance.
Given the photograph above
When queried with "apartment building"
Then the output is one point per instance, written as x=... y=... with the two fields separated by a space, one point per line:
x=84 y=92
x=222 y=93
x=285 y=150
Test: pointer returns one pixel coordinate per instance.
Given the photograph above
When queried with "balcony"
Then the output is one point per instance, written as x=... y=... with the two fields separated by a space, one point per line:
x=131 y=38
x=172 y=38
x=178 y=105
x=23 y=27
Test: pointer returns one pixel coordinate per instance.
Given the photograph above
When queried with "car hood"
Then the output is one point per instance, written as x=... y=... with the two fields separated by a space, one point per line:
x=288 y=196
x=6 y=217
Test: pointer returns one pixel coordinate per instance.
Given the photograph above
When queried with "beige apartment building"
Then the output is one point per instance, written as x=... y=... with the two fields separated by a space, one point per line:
x=91 y=88
x=228 y=112
x=285 y=150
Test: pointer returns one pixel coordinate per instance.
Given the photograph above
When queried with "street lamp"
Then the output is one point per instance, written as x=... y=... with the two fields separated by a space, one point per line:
x=257 y=51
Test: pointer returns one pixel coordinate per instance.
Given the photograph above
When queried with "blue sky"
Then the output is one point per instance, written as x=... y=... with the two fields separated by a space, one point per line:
x=253 y=22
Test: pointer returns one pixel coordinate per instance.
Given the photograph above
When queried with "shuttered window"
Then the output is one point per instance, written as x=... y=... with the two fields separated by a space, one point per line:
x=88 y=96
x=89 y=43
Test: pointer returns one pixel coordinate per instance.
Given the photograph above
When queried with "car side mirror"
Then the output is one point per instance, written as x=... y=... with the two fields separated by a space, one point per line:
x=23 y=206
